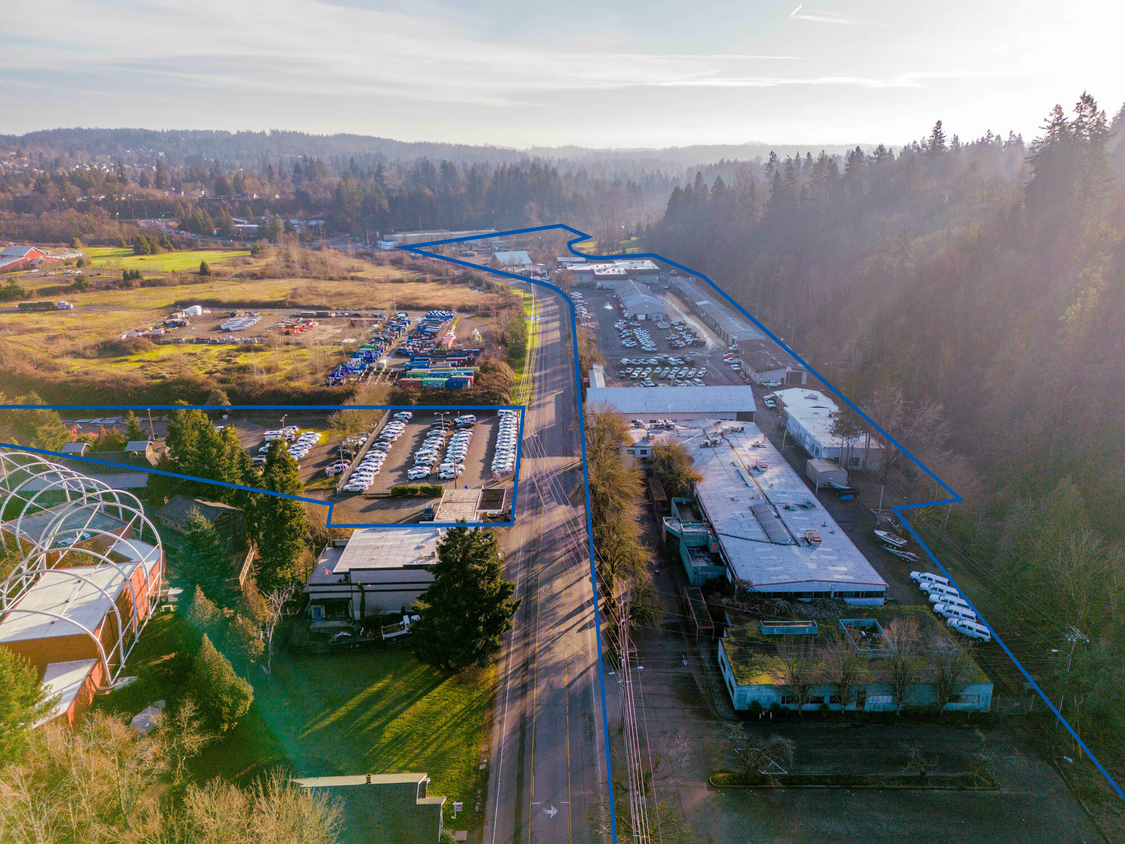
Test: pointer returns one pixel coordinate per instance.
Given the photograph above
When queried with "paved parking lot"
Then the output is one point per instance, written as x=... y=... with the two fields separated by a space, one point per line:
x=709 y=356
x=376 y=506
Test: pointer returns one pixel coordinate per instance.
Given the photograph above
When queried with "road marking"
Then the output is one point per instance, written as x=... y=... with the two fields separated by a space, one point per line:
x=551 y=812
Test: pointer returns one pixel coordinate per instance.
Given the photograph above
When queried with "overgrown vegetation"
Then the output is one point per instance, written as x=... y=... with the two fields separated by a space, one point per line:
x=969 y=295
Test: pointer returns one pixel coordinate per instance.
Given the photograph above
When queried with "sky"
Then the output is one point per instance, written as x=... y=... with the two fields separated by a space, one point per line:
x=630 y=73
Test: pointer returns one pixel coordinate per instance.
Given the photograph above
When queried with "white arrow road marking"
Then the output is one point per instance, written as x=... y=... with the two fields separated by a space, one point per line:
x=551 y=812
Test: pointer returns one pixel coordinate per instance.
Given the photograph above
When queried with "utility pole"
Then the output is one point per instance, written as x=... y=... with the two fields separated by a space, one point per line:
x=1074 y=636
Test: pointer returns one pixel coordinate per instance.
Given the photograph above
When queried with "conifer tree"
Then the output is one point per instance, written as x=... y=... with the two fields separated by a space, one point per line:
x=468 y=607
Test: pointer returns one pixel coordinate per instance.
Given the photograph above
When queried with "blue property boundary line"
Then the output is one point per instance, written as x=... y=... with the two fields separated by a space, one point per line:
x=286 y=407
x=899 y=510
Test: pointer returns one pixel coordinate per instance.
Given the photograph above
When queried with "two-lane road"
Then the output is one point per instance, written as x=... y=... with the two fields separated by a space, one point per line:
x=548 y=772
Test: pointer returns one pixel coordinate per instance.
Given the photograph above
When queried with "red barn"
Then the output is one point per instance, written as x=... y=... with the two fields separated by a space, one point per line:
x=14 y=258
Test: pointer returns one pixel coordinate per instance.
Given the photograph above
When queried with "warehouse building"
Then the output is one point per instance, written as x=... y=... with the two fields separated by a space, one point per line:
x=639 y=302
x=608 y=273
x=705 y=304
x=810 y=416
x=677 y=403
x=753 y=658
x=754 y=521
x=376 y=571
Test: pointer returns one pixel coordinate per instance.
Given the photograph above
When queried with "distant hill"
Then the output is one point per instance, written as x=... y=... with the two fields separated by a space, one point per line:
x=690 y=155
x=254 y=148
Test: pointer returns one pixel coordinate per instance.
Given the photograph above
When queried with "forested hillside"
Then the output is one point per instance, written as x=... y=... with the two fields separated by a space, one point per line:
x=971 y=296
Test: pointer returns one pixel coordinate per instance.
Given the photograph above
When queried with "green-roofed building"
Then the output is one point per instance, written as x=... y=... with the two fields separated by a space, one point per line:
x=778 y=661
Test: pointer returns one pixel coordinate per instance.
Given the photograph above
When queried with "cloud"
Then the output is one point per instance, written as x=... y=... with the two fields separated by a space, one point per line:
x=818 y=17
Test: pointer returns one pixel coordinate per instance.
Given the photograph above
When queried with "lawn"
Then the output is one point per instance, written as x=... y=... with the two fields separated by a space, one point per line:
x=378 y=711
x=166 y=262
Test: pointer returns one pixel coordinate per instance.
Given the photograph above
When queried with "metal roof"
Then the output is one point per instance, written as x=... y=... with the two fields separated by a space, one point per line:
x=814 y=411
x=747 y=485
x=379 y=548
x=639 y=298
x=57 y=591
x=518 y=258
x=701 y=400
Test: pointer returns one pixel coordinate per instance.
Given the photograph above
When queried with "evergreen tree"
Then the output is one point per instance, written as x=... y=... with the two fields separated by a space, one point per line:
x=223 y=697
x=469 y=606
x=204 y=268
x=203 y=561
x=133 y=430
x=280 y=524
x=935 y=144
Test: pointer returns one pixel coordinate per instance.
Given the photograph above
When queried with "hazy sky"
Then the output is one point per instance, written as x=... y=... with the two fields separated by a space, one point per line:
x=596 y=73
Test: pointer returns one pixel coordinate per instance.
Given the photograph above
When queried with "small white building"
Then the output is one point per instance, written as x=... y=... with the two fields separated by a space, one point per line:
x=809 y=419
x=378 y=570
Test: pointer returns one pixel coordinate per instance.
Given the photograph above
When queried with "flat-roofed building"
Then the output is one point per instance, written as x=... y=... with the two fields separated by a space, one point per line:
x=765 y=362
x=753 y=657
x=809 y=419
x=677 y=403
x=376 y=571
x=755 y=519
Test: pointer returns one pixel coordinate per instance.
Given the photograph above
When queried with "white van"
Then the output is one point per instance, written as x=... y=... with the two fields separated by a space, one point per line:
x=933 y=589
x=948 y=611
x=925 y=576
x=951 y=600
x=972 y=629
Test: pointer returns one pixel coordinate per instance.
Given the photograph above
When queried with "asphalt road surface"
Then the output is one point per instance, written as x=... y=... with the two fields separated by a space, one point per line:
x=548 y=772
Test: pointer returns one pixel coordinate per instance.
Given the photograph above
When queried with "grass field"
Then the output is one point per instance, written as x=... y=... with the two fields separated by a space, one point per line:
x=377 y=711
x=167 y=262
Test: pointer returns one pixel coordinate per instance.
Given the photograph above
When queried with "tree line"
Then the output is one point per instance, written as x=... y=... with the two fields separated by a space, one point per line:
x=971 y=298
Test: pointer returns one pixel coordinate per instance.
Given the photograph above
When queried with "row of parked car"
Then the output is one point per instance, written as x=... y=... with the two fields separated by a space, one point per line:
x=951 y=605
x=299 y=444
x=363 y=475
x=632 y=335
x=507 y=442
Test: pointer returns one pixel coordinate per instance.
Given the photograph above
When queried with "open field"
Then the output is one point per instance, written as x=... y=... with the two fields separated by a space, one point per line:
x=83 y=342
x=378 y=711
x=166 y=262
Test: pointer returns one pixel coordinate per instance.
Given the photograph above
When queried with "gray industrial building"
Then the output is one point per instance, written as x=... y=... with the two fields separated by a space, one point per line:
x=639 y=302
x=705 y=304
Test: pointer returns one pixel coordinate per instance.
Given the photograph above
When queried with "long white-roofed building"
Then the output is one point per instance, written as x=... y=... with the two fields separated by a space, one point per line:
x=754 y=521
x=727 y=401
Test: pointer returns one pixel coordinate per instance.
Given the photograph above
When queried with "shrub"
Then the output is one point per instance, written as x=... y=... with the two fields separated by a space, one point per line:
x=416 y=491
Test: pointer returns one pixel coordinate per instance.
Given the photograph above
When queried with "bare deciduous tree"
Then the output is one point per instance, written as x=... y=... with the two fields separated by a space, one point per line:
x=798 y=668
x=900 y=666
